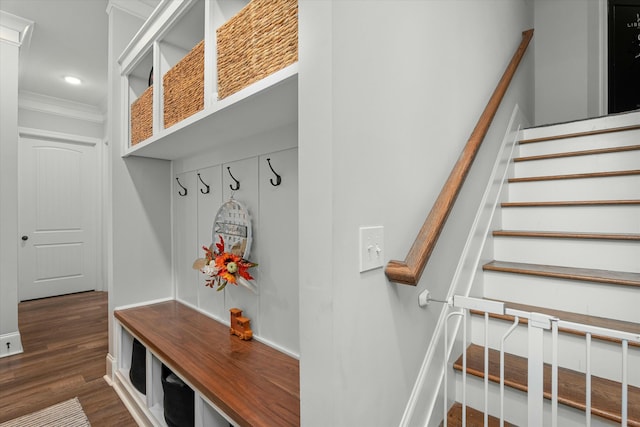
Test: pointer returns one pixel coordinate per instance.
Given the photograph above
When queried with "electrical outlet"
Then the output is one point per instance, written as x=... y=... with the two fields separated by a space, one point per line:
x=10 y=344
x=371 y=248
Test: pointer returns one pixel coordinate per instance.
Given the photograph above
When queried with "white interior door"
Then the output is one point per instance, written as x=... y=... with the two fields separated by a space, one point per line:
x=58 y=205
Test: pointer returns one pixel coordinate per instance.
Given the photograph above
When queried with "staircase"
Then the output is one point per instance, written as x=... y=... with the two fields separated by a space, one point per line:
x=568 y=247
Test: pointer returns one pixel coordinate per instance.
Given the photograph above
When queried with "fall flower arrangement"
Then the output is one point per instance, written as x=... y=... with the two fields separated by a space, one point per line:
x=223 y=267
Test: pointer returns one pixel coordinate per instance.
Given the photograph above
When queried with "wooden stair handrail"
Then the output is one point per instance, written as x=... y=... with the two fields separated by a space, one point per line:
x=409 y=271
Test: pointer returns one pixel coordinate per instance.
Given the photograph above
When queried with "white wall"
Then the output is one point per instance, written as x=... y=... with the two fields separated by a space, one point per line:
x=139 y=218
x=33 y=111
x=9 y=55
x=54 y=117
x=570 y=60
x=389 y=93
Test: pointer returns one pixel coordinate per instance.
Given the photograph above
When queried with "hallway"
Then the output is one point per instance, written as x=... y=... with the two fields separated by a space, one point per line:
x=65 y=345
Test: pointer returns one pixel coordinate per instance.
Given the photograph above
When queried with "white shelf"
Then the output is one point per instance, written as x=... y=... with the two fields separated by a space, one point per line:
x=267 y=104
x=124 y=379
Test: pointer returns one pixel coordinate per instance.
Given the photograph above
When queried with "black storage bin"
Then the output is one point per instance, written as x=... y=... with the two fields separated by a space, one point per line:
x=178 y=400
x=138 y=371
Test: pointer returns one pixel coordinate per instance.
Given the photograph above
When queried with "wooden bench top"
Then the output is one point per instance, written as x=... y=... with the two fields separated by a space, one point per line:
x=251 y=382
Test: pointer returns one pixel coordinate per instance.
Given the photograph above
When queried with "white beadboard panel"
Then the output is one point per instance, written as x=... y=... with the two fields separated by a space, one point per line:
x=278 y=248
x=209 y=299
x=605 y=356
x=591 y=218
x=617 y=161
x=617 y=255
x=274 y=309
x=601 y=188
x=596 y=299
x=590 y=142
x=246 y=172
x=185 y=237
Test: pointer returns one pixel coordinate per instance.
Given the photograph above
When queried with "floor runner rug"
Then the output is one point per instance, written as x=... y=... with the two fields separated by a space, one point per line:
x=65 y=414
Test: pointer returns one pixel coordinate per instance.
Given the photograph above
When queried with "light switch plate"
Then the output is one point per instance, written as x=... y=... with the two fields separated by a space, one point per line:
x=371 y=248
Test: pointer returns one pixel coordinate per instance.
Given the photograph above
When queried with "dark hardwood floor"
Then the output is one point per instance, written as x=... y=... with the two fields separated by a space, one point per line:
x=65 y=341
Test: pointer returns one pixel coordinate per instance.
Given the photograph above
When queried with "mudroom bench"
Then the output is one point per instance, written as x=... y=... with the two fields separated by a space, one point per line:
x=237 y=382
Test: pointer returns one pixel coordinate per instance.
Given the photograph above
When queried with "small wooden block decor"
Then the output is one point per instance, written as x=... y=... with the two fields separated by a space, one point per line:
x=240 y=326
x=258 y=41
x=183 y=87
x=142 y=117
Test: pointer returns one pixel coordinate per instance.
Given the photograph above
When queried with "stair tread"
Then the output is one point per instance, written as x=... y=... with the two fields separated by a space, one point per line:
x=573 y=273
x=601 y=322
x=579 y=134
x=605 y=394
x=567 y=235
x=575 y=176
x=474 y=417
x=570 y=203
x=578 y=153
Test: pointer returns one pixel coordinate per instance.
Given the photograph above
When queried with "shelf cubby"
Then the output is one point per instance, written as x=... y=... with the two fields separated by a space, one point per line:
x=140 y=94
x=176 y=31
x=181 y=64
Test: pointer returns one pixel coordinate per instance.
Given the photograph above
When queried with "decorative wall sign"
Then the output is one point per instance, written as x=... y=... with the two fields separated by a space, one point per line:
x=225 y=260
x=233 y=224
x=624 y=55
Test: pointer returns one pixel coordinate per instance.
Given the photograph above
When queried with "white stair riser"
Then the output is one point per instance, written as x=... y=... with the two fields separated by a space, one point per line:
x=619 y=161
x=606 y=357
x=515 y=408
x=619 y=255
x=595 y=218
x=589 y=125
x=595 y=299
x=625 y=187
x=592 y=142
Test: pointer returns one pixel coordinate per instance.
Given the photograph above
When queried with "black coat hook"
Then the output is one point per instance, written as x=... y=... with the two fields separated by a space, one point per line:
x=203 y=183
x=184 y=192
x=278 y=177
x=237 y=187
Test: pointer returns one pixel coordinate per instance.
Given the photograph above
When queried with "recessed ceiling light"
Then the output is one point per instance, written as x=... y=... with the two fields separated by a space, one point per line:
x=72 y=80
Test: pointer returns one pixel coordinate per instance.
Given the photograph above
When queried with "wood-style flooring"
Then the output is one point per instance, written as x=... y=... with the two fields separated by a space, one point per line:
x=65 y=341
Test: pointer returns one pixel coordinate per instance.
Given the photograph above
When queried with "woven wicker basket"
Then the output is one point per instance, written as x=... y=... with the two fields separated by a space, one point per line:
x=183 y=87
x=142 y=117
x=258 y=41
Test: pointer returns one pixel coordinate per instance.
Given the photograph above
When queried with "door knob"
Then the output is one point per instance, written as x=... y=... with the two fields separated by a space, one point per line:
x=25 y=238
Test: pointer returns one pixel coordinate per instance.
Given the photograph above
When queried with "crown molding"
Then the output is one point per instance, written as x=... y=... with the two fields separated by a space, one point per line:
x=59 y=107
x=15 y=29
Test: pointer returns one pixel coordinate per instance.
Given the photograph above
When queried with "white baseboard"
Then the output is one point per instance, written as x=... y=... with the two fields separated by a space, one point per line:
x=141 y=417
x=143 y=303
x=129 y=397
x=10 y=344
x=111 y=363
